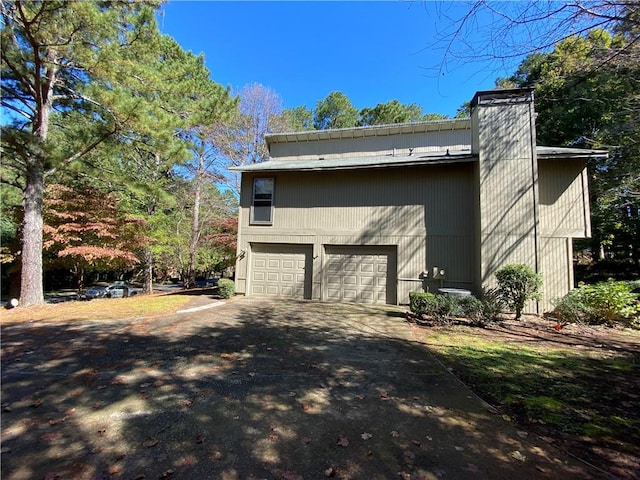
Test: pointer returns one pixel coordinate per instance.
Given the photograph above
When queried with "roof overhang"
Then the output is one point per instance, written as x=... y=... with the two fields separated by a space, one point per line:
x=547 y=153
x=370 y=131
x=353 y=163
x=387 y=161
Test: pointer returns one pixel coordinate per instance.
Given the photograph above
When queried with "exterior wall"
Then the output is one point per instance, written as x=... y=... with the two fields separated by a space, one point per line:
x=556 y=267
x=469 y=218
x=425 y=212
x=453 y=139
x=508 y=214
x=564 y=198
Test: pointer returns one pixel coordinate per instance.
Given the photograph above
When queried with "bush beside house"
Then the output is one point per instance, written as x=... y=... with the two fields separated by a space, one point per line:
x=226 y=288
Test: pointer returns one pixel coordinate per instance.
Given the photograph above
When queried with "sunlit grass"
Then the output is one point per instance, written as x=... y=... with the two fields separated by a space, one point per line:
x=99 y=309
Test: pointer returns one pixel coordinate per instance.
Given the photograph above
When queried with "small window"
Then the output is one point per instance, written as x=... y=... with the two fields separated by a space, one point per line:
x=262 y=204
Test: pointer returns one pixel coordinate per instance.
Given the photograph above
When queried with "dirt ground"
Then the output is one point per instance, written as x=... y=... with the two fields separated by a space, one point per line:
x=252 y=389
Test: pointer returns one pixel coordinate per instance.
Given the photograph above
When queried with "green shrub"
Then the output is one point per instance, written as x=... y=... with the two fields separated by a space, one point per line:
x=518 y=284
x=440 y=307
x=418 y=302
x=492 y=304
x=603 y=302
x=571 y=308
x=470 y=307
x=226 y=288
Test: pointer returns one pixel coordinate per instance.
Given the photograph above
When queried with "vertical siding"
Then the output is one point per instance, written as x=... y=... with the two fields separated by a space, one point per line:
x=426 y=212
x=564 y=204
x=507 y=177
x=458 y=139
x=556 y=268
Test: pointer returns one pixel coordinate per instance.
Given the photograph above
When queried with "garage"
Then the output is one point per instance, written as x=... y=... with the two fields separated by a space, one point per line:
x=360 y=274
x=281 y=270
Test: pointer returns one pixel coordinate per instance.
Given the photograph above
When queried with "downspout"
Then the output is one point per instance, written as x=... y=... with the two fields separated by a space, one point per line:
x=534 y=184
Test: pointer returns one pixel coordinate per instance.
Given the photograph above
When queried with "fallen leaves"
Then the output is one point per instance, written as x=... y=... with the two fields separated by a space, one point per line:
x=518 y=456
x=150 y=443
x=366 y=436
x=343 y=441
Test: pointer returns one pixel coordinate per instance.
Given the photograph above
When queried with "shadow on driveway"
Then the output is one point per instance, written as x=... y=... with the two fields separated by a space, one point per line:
x=249 y=390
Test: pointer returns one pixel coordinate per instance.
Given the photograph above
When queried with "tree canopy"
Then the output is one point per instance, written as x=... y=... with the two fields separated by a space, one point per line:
x=335 y=111
x=93 y=89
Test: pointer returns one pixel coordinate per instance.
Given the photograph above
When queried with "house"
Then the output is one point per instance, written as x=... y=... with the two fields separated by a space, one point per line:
x=370 y=214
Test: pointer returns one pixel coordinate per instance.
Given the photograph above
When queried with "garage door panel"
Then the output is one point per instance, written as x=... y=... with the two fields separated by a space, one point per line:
x=281 y=270
x=359 y=274
x=288 y=277
x=367 y=281
x=367 y=267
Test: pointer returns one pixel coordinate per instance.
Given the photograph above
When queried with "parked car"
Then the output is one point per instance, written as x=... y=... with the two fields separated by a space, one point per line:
x=115 y=290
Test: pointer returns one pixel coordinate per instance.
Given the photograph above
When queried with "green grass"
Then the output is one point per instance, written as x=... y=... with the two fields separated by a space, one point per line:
x=579 y=391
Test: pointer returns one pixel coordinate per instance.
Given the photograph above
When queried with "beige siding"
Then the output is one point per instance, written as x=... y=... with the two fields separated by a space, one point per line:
x=564 y=199
x=556 y=268
x=426 y=213
x=507 y=178
x=459 y=139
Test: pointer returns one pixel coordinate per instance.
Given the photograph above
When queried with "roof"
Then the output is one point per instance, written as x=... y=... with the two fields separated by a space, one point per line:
x=566 y=152
x=351 y=163
x=370 y=131
x=382 y=161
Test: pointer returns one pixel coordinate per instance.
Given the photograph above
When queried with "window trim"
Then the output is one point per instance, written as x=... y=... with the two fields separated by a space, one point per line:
x=252 y=220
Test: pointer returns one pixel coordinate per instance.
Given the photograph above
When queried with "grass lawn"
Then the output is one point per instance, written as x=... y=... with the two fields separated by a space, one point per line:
x=581 y=387
x=99 y=309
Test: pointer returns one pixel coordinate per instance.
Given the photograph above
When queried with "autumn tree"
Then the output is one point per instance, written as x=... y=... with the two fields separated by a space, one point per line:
x=223 y=240
x=69 y=80
x=85 y=230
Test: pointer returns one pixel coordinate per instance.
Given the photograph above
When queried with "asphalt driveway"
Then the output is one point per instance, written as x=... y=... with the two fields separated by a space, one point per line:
x=251 y=389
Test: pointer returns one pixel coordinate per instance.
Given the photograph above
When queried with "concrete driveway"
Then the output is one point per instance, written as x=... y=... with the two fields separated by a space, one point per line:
x=251 y=389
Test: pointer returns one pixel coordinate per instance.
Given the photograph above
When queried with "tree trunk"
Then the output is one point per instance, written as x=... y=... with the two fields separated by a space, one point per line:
x=190 y=281
x=79 y=278
x=31 y=288
x=148 y=271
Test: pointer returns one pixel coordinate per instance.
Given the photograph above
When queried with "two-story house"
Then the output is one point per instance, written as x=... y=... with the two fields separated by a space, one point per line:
x=370 y=214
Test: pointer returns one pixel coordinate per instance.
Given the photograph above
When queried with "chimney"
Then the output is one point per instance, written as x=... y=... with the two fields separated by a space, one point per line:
x=504 y=138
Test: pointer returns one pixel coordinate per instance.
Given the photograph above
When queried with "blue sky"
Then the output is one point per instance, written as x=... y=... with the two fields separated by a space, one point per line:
x=372 y=52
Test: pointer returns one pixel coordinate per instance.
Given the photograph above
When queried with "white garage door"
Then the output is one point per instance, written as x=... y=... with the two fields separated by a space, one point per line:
x=281 y=270
x=360 y=274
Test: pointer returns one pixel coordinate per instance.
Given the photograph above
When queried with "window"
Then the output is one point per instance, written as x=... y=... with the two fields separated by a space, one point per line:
x=262 y=204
